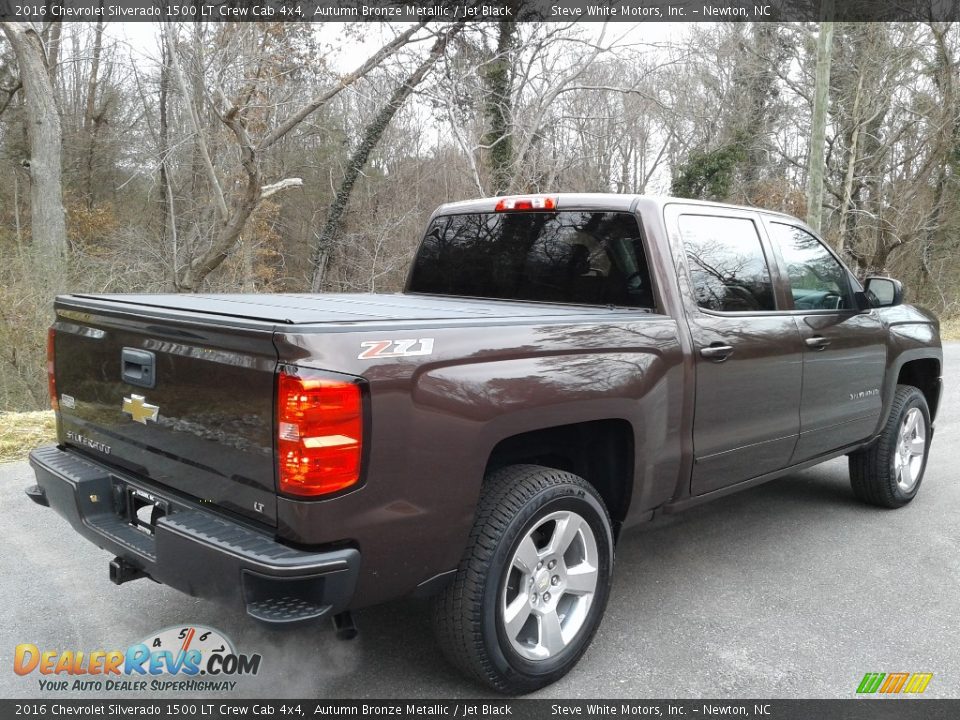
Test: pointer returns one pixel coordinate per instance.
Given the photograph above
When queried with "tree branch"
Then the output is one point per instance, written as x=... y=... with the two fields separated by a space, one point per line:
x=346 y=81
x=273 y=188
x=10 y=94
x=371 y=136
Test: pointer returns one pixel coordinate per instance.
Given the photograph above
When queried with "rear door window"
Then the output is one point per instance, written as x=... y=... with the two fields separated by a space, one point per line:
x=727 y=264
x=590 y=258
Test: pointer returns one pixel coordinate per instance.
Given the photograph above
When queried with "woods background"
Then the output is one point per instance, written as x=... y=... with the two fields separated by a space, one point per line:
x=277 y=157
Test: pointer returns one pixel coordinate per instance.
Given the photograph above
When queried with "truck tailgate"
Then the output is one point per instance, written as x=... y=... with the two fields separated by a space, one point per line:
x=188 y=405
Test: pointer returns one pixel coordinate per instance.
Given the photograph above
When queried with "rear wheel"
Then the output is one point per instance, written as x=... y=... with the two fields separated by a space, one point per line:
x=888 y=472
x=533 y=583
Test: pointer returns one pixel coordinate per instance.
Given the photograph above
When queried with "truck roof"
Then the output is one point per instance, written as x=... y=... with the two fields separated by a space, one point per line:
x=593 y=201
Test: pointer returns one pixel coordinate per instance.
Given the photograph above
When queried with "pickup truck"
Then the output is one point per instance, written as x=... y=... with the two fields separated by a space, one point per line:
x=557 y=369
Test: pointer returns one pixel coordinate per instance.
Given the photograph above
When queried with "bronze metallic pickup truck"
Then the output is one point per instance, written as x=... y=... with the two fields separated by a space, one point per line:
x=558 y=368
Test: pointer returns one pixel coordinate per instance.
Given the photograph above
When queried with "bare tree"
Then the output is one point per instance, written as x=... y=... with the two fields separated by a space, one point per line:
x=818 y=129
x=92 y=116
x=368 y=141
x=181 y=167
x=236 y=115
x=498 y=79
x=48 y=224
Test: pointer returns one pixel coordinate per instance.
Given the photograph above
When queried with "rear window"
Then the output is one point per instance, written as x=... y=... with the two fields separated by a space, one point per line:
x=727 y=264
x=589 y=258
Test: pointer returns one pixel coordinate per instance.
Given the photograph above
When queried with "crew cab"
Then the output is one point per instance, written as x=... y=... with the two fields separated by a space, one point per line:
x=558 y=369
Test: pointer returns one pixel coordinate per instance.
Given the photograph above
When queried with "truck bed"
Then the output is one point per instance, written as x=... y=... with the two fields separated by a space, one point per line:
x=213 y=362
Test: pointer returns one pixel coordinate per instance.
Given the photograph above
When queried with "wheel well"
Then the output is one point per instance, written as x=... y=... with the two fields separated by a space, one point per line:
x=924 y=375
x=601 y=452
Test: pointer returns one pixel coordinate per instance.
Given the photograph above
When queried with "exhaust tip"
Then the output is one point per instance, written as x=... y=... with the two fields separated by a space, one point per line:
x=345 y=626
x=38 y=495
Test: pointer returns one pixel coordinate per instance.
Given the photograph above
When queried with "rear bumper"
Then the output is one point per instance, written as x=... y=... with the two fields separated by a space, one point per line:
x=192 y=549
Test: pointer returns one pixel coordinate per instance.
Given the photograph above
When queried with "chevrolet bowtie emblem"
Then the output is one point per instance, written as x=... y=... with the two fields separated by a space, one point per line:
x=139 y=410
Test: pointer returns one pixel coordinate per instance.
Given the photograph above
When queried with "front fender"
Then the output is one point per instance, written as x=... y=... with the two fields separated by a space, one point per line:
x=913 y=334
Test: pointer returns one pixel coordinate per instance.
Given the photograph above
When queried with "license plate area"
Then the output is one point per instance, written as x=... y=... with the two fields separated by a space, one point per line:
x=139 y=508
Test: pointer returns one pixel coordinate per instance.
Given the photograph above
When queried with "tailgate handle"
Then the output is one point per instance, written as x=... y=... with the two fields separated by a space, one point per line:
x=138 y=367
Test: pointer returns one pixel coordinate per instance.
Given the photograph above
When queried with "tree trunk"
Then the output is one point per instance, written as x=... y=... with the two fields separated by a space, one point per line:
x=371 y=136
x=91 y=119
x=818 y=124
x=499 y=110
x=851 y=166
x=47 y=217
x=16 y=211
x=751 y=126
x=54 y=35
x=167 y=214
x=226 y=238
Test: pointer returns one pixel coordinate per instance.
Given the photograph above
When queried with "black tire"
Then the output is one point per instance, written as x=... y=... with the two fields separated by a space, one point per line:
x=874 y=474
x=517 y=502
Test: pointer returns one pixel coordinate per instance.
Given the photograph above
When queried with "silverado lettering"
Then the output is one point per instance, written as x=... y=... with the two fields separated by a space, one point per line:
x=559 y=368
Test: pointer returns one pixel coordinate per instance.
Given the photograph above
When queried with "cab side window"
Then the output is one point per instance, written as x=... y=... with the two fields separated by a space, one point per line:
x=727 y=264
x=817 y=280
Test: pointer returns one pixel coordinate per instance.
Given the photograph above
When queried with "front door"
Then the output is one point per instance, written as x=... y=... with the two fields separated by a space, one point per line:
x=749 y=355
x=845 y=349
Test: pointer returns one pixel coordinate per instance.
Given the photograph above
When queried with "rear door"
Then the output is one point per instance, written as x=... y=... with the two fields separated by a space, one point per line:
x=844 y=348
x=747 y=349
x=184 y=403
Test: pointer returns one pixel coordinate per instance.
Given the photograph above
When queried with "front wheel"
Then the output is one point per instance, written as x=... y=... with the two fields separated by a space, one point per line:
x=888 y=472
x=533 y=583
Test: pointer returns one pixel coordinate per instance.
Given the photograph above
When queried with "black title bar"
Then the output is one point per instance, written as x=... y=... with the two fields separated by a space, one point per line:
x=481 y=10
x=213 y=709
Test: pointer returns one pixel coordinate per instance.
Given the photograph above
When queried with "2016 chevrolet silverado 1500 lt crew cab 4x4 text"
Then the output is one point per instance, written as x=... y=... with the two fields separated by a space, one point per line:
x=557 y=369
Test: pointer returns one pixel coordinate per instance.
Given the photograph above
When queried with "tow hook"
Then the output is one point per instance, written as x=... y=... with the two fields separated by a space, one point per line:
x=121 y=571
x=345 y=626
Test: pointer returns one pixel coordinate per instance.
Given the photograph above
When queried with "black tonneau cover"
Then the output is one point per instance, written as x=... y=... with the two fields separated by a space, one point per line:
x=295 y=309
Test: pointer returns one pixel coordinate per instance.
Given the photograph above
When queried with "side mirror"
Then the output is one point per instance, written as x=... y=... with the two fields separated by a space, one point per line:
x=883 y=291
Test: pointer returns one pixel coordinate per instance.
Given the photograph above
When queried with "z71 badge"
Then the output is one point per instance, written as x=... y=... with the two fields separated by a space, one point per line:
x=395 y=348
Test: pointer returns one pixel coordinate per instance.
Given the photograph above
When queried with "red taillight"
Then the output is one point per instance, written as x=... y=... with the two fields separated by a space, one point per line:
x=534 y=202
x=51 y=378
x=319 y=433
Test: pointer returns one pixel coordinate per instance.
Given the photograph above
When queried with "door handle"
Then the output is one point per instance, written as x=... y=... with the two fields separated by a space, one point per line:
x=716 y=352
x=817 y=342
